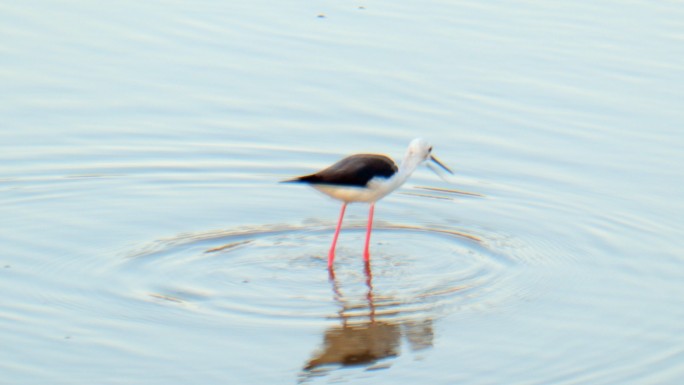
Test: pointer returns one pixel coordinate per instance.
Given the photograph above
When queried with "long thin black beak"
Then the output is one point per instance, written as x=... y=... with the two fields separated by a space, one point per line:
x=432 y=158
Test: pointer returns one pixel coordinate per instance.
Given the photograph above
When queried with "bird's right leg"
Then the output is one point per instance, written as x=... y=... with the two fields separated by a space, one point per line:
x=331 y=254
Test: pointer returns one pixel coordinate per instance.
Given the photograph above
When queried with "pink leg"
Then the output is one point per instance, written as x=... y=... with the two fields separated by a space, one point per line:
x=331 y=254
x=366 y=253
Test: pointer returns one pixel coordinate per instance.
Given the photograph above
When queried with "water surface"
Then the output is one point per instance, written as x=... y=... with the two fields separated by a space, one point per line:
x=146 y=240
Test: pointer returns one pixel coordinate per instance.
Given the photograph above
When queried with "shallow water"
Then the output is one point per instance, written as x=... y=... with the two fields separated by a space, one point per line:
x=146 y=240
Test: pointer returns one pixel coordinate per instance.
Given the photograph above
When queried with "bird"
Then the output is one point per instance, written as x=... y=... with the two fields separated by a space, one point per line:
x=367 y=178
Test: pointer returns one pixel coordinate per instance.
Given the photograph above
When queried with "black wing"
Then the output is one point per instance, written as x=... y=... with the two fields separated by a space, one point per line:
x=355 y=170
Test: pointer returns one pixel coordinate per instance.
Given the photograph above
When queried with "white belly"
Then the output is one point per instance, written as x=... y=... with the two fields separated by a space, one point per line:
x=375 y=190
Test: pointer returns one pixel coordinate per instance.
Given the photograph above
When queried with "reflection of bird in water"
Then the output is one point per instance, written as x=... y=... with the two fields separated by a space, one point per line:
x=361 y=339
x=367 y=178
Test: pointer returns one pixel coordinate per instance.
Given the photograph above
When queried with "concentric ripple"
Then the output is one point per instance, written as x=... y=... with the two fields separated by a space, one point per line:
x=279 y=272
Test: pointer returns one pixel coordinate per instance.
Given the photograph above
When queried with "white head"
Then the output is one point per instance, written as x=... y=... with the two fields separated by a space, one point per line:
x=419 y=148
x=419 y=151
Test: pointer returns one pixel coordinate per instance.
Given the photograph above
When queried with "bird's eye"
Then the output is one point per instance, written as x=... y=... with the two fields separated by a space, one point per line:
x=430 y=149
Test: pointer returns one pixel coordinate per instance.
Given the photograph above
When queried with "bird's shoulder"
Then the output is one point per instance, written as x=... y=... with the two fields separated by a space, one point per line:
x=379 y=163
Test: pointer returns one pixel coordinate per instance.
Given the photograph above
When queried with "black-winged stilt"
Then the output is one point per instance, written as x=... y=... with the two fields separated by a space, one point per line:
x=367 y=178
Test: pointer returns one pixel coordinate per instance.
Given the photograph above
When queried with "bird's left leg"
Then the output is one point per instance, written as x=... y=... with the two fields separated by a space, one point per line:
x=366 y=253
x=331 y=253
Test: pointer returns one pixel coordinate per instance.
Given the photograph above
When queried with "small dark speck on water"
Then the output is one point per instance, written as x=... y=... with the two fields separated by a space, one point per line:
x=362 y=7
x=7 y=266
x=321 y=15
x=245 y=281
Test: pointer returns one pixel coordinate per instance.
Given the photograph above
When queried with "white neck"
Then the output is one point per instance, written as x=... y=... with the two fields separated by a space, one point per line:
x=407 y=167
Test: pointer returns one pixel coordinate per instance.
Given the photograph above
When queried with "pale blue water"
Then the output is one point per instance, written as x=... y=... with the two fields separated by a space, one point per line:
x=145 y=238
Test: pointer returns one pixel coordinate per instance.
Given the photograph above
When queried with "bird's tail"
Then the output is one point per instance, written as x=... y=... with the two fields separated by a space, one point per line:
x=293 y=180
x=313 y=178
